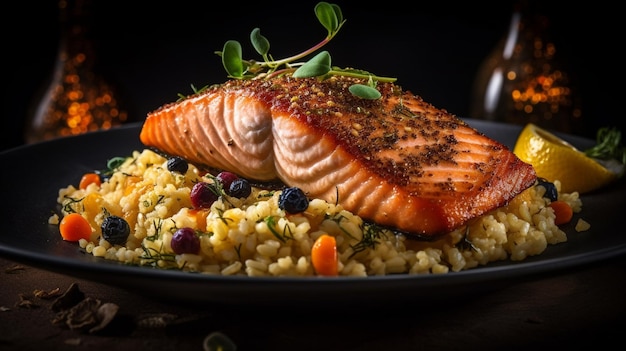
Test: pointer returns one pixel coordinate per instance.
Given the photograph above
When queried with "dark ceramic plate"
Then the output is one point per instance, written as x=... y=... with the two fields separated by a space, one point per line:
x=32 y=175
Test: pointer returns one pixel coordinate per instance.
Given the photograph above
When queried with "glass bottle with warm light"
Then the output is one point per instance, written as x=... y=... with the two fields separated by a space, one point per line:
x=523 y=81
x=78 y=98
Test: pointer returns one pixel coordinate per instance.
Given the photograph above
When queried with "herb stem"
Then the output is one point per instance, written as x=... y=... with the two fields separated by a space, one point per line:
x=305 y=53
x=361 y=75
x=608 y=146
x=331 y=17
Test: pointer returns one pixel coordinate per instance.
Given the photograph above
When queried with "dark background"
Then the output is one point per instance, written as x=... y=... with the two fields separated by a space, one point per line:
x=152 y=53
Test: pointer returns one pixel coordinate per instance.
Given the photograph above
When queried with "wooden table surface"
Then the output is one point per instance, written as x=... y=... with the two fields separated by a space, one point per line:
x=577 y=308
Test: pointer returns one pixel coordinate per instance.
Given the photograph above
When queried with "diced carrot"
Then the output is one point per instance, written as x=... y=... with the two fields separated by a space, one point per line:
x=74 y=227
x=563 y=212
x=89 y=178
x=92 y=204
x=130 y=183
x=201 y=215
x=324 y=255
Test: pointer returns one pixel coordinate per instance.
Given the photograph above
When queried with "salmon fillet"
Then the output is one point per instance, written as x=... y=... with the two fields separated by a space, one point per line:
x=397 y=161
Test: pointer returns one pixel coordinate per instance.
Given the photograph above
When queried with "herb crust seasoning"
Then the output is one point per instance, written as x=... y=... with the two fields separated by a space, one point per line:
x=397 y=161
x=258 y=235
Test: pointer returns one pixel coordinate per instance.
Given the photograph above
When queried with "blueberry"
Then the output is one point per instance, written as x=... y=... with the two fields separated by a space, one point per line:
x=203 y=195
x=226 y=178
x=185 y=240
x=177 y=164
x=293 y=200
x=115 y=230
x=240 y=188
x=551 y=192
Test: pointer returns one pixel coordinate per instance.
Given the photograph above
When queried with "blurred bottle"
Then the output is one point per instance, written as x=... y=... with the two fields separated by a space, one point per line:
x=523 y=81
x=78 y=98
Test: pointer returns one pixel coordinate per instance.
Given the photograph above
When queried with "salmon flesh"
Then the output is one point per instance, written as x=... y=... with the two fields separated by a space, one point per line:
x=396 y=161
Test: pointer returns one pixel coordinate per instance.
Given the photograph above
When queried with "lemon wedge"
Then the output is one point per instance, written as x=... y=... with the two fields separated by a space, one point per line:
x=555 y=159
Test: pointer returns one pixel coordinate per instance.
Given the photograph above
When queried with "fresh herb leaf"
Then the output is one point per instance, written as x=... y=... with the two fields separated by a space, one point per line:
x=364 y=91
x=331 y=17
x=315 y=67
x=112 y=166
x=260 y=43
x=115 y=163
x=231 y=59
x=608 y=145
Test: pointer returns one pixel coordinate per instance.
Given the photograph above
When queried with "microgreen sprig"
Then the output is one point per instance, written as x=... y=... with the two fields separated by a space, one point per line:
x=331 y=17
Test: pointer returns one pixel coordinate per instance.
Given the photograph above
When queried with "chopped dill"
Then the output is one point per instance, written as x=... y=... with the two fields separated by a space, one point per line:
x=338 y=218
x=69 y=206
x=158 y=227
x=268 y=194
x=153 y=256
x=372 y=234
x=160 y=199
x=271 y=225
x=221 y=216
x=238 y=250
x=465 y=244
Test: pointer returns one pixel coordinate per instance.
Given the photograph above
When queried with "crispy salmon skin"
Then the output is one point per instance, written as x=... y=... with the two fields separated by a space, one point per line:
x=396 y=161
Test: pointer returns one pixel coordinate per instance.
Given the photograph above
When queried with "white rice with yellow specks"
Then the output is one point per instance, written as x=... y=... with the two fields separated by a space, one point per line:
x=254 y=237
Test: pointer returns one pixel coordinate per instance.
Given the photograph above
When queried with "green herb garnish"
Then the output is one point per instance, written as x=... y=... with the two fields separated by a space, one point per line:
x=608 y=145
x=69 y=206
x=271 y=225
x=151 y=257
x=112 y=166
x=372 y=234
x=331 y=17
x=608 y=150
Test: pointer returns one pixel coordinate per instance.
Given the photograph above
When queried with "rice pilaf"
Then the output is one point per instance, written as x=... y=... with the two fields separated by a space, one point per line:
x=255 y=237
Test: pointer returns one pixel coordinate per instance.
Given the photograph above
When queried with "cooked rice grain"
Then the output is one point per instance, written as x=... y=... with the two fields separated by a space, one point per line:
x=254 y=237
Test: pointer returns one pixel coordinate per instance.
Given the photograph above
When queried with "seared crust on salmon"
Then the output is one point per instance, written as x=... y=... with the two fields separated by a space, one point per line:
x=396 y=161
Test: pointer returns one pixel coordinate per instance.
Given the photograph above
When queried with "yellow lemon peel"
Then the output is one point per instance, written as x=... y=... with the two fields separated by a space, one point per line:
x=555 y=159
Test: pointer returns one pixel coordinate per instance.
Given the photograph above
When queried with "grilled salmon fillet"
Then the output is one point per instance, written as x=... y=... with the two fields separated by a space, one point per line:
x=396 y=161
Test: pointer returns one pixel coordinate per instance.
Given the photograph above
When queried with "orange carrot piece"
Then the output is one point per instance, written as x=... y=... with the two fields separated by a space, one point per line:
x=563 y=212
x=324 y=255
x=87 y=179
x=74 y=227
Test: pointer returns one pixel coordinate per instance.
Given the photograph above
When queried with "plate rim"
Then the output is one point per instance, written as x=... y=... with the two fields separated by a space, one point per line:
x=491 y=274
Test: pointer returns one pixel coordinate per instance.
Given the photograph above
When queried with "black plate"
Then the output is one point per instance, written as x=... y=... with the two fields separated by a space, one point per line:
x=33 y=174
